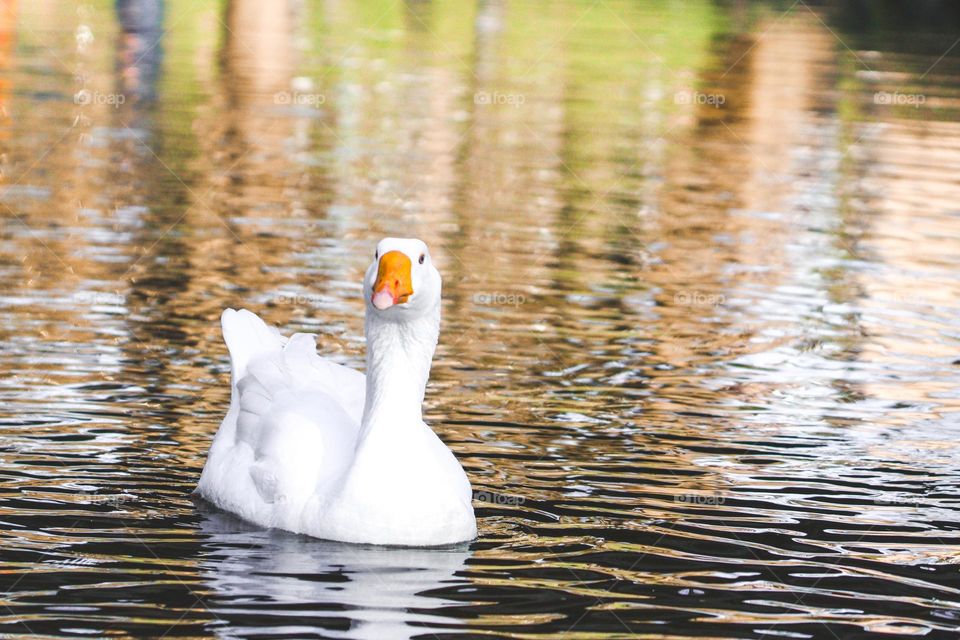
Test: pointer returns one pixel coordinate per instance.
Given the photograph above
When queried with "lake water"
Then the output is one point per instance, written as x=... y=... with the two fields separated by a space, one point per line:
x=700 y=354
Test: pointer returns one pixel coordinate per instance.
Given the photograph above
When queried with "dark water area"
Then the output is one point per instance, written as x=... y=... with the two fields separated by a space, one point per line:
x=700 y=353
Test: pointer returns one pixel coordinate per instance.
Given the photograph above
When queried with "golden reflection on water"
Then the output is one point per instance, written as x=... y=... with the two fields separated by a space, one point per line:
x=701 y=289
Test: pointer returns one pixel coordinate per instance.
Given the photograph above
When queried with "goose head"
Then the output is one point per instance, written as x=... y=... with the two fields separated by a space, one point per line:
x=401 y=283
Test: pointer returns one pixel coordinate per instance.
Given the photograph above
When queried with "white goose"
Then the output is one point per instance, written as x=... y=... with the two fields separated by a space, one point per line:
x=314 y=447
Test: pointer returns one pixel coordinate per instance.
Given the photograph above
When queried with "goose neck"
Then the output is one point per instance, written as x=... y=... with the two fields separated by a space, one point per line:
x=398 y=366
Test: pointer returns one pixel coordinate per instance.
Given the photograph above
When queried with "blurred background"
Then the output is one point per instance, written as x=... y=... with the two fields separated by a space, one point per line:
x=701 y=345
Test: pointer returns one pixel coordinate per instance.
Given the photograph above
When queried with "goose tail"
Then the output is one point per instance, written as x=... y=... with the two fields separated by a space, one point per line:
x=247 y=337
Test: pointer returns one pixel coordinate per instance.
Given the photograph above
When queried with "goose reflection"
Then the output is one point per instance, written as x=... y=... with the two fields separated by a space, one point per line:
x=347 y=591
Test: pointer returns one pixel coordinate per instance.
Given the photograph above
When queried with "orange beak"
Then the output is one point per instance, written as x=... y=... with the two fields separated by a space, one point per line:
x=394 y=284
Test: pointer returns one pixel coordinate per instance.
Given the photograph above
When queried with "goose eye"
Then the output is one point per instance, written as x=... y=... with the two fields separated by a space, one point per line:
x=376 y=254
x=422 y=255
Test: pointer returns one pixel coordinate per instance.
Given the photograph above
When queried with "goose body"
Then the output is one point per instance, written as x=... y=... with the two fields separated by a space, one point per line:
x=314 y=447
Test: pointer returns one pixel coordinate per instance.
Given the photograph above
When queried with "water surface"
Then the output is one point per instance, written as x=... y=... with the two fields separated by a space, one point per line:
x=700 y=354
